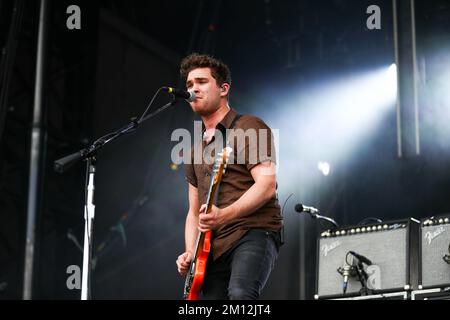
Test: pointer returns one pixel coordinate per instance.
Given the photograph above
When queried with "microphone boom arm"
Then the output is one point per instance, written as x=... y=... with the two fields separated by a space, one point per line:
x=318 y=216
x=314 y=213
x=62 y=164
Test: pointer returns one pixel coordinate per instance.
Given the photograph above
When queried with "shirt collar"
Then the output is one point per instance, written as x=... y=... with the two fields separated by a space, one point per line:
x=226 y=122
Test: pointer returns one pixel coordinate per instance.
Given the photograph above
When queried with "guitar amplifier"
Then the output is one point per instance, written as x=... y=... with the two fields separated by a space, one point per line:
x=392 y=247
x=434 y=269
x=382 y=296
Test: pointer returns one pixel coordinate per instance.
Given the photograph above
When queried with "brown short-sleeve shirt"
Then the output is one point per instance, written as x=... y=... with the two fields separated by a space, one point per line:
x=247 y=153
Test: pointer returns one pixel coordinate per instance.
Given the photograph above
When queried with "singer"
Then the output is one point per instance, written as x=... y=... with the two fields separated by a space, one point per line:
x=246 y=222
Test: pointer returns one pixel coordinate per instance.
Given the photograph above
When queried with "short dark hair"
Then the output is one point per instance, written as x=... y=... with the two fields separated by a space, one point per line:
x=219 y=70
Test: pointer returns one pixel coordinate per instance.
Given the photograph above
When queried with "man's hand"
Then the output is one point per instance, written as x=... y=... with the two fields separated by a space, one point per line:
x=211 y=220
x=183 y=262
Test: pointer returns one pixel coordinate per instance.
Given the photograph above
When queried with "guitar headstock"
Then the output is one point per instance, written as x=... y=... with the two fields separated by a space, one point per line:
x=220 y=164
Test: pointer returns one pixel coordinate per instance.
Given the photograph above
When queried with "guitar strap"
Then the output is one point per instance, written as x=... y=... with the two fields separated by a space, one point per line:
x=233 y=123
x=224 y=144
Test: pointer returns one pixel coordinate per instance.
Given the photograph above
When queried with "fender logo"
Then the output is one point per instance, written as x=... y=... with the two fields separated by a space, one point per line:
x=328 y=247
x=429 y=236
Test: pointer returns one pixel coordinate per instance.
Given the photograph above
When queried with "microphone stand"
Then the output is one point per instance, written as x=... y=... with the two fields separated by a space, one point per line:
x=90 y=155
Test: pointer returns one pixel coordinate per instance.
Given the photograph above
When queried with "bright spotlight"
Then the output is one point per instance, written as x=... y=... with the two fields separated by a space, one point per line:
x=337 y=115
x=391 y=81
x=392 y=71
x=324 y=167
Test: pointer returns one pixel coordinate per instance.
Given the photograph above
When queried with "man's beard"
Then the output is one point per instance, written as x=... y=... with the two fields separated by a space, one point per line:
x=204 y=110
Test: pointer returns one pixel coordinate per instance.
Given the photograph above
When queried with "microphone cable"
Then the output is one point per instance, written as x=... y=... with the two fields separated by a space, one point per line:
x=446 y=257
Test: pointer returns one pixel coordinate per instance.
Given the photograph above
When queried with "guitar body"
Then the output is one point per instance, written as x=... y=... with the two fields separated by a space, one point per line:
x=200 y=267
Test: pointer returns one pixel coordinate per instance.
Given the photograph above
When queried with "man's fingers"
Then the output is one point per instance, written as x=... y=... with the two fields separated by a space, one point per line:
x=182 y=272
x=203 y=229
x=185 y=264
x=203 y=224
x=204 y=218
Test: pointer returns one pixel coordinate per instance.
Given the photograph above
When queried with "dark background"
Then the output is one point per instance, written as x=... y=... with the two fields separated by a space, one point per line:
x=98 y=77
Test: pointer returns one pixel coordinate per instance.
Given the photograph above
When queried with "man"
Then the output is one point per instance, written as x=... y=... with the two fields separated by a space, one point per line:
x=246 y=223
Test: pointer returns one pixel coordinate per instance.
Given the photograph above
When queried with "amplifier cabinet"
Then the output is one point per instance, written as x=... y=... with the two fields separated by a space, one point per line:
x=382 y=296
x=391 y=246
x=434 y=271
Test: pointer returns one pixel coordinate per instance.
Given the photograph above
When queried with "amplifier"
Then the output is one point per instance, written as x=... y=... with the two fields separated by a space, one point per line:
x=434 y=271
x=392 y=247
x=431 y=294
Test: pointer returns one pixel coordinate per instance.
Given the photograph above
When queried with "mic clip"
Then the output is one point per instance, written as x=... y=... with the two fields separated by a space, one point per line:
x=446 y=258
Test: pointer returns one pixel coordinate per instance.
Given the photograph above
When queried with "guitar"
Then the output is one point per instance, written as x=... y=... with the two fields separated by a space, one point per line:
x=196 y=274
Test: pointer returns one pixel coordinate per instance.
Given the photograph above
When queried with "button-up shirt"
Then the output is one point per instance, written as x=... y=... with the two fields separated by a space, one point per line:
x=237 y=180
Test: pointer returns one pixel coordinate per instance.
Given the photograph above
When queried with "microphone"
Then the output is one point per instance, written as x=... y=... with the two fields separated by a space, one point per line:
x=301 y=208
x=189 y=96
x=345 y=273
x=361 y=258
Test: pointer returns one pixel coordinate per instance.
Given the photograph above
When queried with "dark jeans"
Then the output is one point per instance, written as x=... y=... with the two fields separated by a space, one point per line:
x=242 y=272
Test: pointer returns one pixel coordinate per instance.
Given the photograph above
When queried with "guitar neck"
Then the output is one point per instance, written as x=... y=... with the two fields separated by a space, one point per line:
x=209 y=202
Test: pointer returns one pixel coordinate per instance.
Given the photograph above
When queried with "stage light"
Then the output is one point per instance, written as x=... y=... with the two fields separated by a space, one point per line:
x=324 y=167
x=392 y=71
x=391 y=82
x=330 y=120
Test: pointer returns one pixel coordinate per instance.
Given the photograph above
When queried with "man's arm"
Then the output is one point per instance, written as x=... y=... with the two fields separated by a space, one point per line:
x=254 y=198
x=190 y=229
x=190 y=232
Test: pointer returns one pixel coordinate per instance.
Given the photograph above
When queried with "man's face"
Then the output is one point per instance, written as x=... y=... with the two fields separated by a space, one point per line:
x=206 y=90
